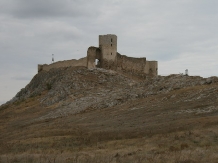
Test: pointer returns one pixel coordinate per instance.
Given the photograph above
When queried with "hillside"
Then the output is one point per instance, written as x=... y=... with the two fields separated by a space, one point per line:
x=79 y=115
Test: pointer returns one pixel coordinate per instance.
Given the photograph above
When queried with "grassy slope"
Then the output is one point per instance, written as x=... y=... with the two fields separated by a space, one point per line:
x=180 y=126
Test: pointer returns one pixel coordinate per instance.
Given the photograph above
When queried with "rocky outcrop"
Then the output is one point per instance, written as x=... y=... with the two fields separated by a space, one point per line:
x=74 y=89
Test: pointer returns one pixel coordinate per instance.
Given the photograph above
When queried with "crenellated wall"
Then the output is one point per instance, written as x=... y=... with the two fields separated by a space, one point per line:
x=67 y=63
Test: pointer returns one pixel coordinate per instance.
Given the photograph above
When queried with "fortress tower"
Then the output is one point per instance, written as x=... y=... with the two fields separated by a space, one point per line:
x=108 y=47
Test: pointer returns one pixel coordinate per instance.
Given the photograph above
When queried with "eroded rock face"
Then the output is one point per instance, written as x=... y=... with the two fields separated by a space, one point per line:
x=74 y=89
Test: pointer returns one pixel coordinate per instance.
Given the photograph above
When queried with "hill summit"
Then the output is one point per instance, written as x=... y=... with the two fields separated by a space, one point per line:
x=75 y=114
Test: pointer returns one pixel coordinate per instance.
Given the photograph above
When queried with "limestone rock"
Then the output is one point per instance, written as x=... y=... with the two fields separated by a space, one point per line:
x=74 y=89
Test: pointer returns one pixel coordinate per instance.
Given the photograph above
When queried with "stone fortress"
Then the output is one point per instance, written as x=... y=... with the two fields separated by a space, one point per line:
x=106 y=56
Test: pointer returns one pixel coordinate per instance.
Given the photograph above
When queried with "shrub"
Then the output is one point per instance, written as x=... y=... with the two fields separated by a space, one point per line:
x=48 y=85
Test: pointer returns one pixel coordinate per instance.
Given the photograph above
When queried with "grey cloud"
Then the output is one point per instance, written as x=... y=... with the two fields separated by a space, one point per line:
x=47 y=8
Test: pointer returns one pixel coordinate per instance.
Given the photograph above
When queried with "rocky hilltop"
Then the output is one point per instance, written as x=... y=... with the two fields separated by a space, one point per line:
x=75 y=114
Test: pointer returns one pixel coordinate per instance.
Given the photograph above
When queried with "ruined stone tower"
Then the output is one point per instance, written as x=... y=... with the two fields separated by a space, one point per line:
x=108 y=47
x=106 y=56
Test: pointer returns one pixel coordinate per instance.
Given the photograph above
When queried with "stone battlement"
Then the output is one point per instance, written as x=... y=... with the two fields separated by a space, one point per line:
x=67 y=63
x=106 y=56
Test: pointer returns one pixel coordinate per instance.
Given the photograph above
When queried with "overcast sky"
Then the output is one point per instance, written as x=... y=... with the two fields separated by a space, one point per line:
x=179 y=34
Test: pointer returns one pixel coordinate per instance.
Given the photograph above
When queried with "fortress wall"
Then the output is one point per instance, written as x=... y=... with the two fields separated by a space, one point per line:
x=93 y=53
x=129 y=64
x=67 y=63
x=109 y=59
x=147 y=66
x=151 y=68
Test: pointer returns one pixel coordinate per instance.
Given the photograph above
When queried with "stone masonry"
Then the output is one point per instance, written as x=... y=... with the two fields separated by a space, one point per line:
x=106 y=56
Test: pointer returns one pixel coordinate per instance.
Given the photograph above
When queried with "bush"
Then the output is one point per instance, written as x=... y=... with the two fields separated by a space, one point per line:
x=48 y=85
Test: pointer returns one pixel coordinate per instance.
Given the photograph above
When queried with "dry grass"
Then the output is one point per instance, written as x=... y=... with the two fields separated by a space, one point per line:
x=142 y=130
x=189 y=146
